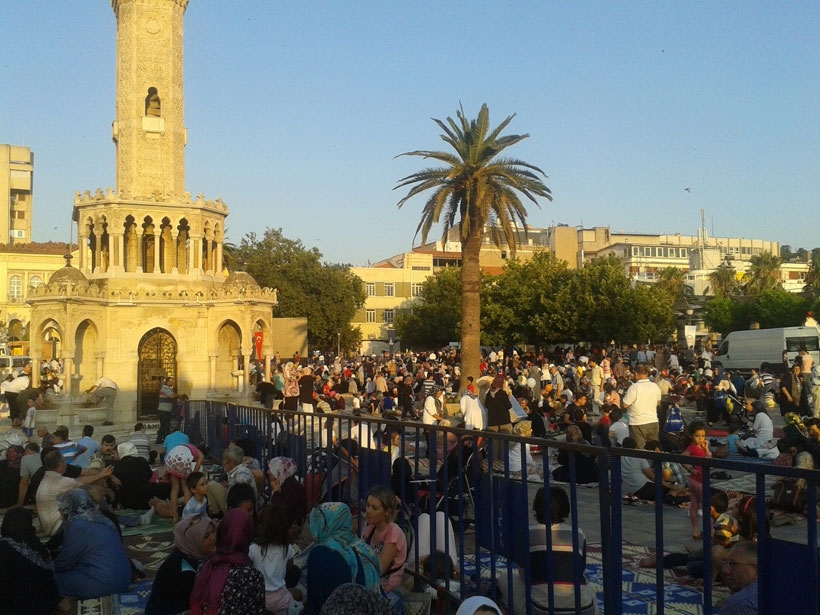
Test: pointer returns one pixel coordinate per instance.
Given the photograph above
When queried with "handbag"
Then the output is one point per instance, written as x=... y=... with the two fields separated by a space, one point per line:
x=788 y=495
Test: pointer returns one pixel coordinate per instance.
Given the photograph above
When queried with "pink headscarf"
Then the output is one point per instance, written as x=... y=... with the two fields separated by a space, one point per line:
x=233 y=540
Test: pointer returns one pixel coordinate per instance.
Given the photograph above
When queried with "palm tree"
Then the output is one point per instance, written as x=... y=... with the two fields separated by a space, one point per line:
x=764 y=273
x=723 y=281
x=673 y=281
x=812 y=279
x=472 y=189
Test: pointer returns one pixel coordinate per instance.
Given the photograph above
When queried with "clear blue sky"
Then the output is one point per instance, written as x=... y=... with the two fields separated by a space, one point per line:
x=296 y=110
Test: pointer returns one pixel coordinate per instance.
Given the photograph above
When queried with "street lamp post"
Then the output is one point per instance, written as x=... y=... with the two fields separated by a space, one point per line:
x=338 y=343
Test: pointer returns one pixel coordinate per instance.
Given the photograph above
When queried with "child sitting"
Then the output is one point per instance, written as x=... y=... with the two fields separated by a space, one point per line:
x=732 y=438
x=197 y=504
x=271 y=555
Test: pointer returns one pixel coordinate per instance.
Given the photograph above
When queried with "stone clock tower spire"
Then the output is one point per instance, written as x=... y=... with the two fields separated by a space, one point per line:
x=149 y=127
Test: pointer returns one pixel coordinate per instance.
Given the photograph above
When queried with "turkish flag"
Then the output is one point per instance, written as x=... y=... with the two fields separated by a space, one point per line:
x=258 y=338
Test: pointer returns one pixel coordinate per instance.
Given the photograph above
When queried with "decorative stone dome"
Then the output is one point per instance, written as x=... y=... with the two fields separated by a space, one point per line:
x=68 y=274
x=238 y=280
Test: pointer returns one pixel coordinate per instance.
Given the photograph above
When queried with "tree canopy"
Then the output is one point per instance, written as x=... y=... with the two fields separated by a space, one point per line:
x=327 y=294
x=542 y=301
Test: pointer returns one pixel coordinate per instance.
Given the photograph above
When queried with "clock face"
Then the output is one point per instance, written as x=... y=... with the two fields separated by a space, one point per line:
x=152 y=25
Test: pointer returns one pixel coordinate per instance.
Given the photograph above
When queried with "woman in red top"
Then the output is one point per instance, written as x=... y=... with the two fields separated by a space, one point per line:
x=698 y=447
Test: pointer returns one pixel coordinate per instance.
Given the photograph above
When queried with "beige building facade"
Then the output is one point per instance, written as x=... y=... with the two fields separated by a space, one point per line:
x=148 y=297
x=16 y=192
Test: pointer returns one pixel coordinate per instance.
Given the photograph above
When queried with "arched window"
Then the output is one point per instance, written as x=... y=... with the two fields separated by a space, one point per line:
x=35 y=281
x=153 y=107
x=15 y=288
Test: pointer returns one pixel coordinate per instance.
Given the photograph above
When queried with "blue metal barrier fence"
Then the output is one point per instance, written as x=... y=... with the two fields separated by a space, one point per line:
x=466 y=499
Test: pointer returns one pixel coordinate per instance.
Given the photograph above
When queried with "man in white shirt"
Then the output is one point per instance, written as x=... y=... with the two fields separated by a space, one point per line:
x=106 y=390
x=641 y=401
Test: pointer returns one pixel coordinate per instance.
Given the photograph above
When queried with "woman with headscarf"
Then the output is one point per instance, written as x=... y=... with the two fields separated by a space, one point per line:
x=287 y=492
x=135 y=473
x=228 y=584
x=10 y=476
x=195 y=541
x=291 y=391
x=93 y=561
x=338 y=556
x=27 y=583
x=478 y=605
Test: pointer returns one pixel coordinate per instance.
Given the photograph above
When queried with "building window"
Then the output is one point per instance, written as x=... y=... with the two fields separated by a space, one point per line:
x=21 y=215
x=683 y=252
x=388 y=316
x=416 y=289
x=389 y=289
x=370 y=315
x=15 y=288
x=370 y=289
x=647 y=251
x=35 y=281
x=636 y=251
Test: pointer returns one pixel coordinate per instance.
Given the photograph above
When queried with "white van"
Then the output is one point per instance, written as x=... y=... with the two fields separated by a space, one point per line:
x=747 y=350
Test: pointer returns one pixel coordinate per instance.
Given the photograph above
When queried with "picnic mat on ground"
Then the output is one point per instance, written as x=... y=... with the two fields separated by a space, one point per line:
x=683 y=594
x=134 y=600
x=159 y=525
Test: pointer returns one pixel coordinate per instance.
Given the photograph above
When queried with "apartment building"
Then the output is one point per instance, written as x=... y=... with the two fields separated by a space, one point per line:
x=16 y=191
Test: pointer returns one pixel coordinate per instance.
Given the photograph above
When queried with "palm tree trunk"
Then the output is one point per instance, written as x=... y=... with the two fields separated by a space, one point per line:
x=471 y=305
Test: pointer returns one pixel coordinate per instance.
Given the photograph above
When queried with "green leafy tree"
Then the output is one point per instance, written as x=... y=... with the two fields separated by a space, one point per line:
x=779 y=308
x=435 y=318
x=764 y=273
x=652 y=315
x=327 y=294
x=525 y=305
x=474 y=188
x=724 y=315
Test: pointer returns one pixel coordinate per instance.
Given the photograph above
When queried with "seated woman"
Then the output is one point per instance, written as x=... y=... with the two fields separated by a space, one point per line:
x=228 y=584
x=388 y=541
x=27 y=582
x=135 y=473
x=338 y=556
x=761 y=431
x=195 y=541
x=92 y=562
x=561 y=561
x=586 y=470
x=288 y=493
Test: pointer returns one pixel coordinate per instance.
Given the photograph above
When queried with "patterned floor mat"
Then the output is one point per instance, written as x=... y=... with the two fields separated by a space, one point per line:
x=683 y=594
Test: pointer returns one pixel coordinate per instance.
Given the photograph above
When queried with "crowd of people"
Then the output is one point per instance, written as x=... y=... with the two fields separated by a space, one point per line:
x=236 y=534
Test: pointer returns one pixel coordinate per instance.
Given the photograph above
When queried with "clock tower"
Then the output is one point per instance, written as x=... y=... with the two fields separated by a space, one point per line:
x=149 y=128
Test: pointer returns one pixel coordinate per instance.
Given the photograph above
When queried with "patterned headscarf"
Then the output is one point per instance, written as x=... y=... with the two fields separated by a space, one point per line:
x=189 y=534
x=78 y=505
x=282 y=468
x=13 y=455
x=353 y=599
x=332 y=525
